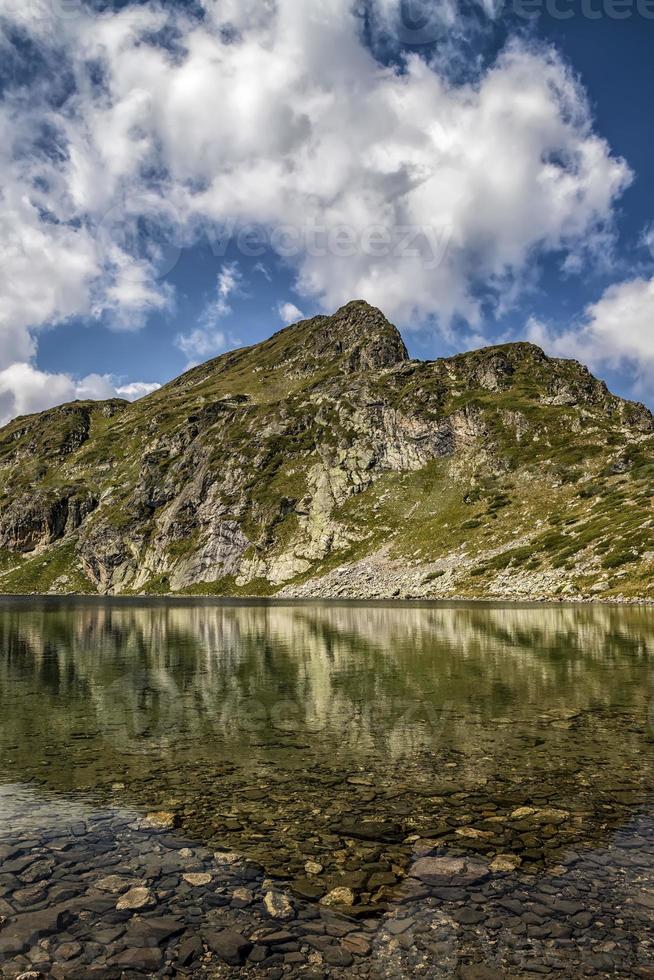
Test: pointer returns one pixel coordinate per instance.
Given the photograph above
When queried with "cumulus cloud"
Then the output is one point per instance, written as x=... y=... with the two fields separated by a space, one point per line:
x=136 y=389
x=427 y=197
x=614 y=332
x=25 y=389
x=289 y=313
x=199 y=345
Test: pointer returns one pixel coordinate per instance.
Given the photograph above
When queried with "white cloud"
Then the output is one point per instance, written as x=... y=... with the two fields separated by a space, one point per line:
x=289 y=313
x=200 y=345
x=616 y=332
x=229 y=283
x=422 y=195
x=136 y=390
x=25 y=389
x=314 y=136
x=263 y=270
x=207 y=340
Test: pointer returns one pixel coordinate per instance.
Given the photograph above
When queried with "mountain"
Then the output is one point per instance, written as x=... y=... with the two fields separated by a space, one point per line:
x=325 y=462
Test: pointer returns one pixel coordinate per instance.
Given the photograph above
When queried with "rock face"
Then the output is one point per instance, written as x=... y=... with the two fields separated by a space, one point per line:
x=325 y=462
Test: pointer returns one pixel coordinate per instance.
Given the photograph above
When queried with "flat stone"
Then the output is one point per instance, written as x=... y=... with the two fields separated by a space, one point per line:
x=37 y=871
x=313 y=868
x=197 y=879
x=397 y=926
x=257 y=954
x=550 y=815
x=226 y=857
x=147 y=960
x=308 y=888
x=374 y=830
x=381 y=879
x=114 y=884
x=294 y=959
x=153 y=931
x=279 y=938
x=473 y=833
x=68 y=951
x=337 y=956
x=12 y=944
x=505 y=862
x=229 y=945
x=442 y=870
x=189 y=950
x=358 y=945
x=136 y=898
x=28 y=928
x=29 y=896
x=469 y=917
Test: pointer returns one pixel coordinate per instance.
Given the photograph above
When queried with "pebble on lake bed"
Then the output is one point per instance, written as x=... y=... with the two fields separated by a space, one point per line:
x=161 y=820
x=226 y=857
x=278 y=906
x=522 y=812
x=338 y=896
x=242 y=897
x=113 y=884
x=505 y=862
x=135 y=898
x=313 y=868
x=197 y=879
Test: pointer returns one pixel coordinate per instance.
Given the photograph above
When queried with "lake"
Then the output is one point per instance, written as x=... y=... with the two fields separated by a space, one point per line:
x=189 y=788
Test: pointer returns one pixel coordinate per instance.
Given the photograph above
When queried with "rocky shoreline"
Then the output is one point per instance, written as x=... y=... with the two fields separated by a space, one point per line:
x=292 y=596
x=112 y=896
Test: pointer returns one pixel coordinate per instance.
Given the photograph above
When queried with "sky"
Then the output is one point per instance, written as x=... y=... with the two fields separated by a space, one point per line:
x=184 y=178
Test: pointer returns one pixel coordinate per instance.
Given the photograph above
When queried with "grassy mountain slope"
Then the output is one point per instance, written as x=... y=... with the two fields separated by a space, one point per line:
x=325 y=462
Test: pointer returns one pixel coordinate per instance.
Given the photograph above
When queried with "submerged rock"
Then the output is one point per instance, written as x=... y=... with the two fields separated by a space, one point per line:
x=278 y=906
x=161 y=820
x=338 y=896
x=197 y=879
x=136 y=898
x=505 y=862
x=444 y=870
x=230 y=946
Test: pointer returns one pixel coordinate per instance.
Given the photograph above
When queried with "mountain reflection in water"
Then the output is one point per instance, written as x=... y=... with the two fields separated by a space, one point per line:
x=361 y=681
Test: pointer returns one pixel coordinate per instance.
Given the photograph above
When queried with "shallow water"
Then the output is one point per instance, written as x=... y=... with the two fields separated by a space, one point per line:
x=401 y=749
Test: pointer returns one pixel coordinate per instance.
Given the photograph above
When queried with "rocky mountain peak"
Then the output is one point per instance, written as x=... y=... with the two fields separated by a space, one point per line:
x=358 y=332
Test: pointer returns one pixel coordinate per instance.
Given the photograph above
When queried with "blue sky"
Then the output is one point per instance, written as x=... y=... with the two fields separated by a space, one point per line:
x=181 y=179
